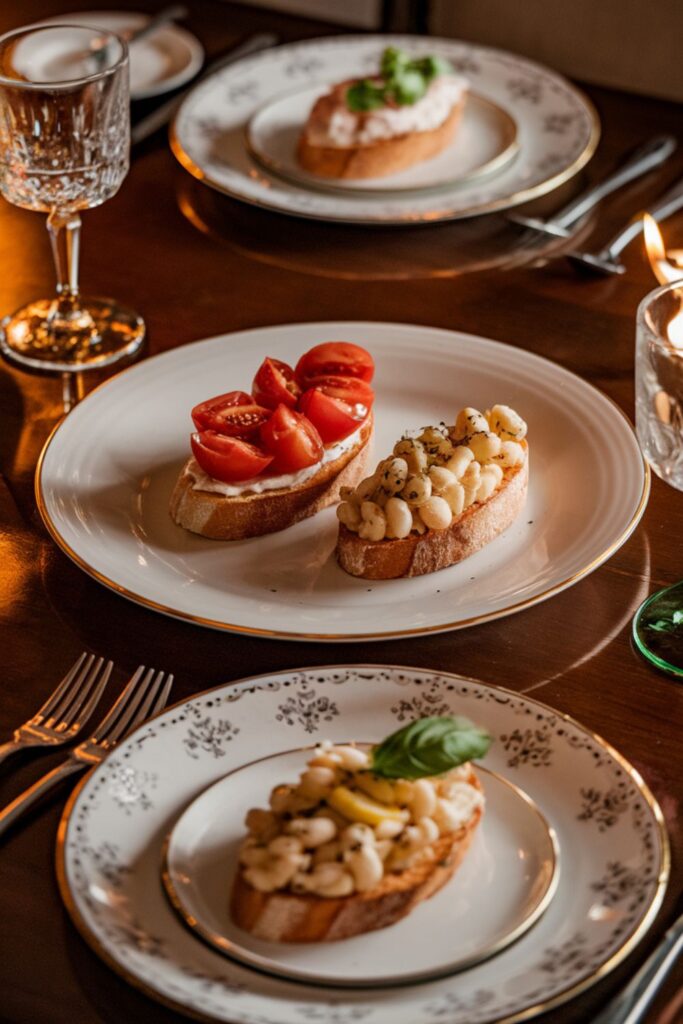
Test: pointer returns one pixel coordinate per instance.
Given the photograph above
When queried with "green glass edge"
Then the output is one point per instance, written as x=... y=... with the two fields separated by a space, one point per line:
x=654 y=659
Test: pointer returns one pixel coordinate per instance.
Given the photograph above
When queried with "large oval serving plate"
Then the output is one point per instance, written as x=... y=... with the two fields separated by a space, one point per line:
x=609 y=829
x=106 y=475
x=558 y=129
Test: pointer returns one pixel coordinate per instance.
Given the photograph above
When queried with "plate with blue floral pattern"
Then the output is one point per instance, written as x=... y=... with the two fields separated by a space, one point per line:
x=609 y=829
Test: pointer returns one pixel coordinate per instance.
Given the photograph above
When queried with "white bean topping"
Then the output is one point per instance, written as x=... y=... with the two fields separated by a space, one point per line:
x=507 y=423
x=365 y=864
x=485 y=446
x=441 y=479
x=348 y=513
x=312 y=832
x=460 y=460
x=436 y=513
x=374 y=524
x=399 y=518
x=417 y=490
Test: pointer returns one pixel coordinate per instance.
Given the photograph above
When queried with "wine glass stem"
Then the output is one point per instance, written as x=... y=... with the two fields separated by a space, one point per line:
x=67 y=319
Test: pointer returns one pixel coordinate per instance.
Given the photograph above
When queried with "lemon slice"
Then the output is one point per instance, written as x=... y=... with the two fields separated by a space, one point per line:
x=359 y=807
x=378 y=789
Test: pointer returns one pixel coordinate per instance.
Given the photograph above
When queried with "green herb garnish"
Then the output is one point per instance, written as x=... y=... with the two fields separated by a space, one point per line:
x=402 y=80
x=429 y=746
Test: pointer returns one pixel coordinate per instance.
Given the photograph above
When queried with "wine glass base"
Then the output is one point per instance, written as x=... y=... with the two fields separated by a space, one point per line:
x=658 y=629
x=28 y=340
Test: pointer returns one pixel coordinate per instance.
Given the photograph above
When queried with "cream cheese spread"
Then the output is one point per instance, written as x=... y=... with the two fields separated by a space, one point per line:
x=346 y=128
x=201 y=481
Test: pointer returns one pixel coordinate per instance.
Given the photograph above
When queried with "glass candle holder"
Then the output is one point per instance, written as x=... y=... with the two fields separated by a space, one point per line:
x=659 y=381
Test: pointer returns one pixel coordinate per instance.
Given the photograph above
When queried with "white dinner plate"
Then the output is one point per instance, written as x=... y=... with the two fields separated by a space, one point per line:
x=507 y=880
x=486 y=141
x=162 y=61
x=106 y=476
x=613 y=847
x=557 y=126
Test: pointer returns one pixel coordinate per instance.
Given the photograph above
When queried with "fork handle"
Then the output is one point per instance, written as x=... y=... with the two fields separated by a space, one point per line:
x=26 y=799
x=7 y=749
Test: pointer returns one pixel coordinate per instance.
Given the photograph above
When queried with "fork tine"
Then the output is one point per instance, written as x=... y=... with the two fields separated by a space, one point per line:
x=74 y=699
x=143 y=711
x=112 y=715
x=161 y=700
x=87 y=711
x=57 y=694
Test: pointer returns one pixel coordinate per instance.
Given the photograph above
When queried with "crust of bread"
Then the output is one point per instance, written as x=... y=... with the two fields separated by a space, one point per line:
x=378 y=159
x=252 y=515
x=288 y=917
x=418 y=554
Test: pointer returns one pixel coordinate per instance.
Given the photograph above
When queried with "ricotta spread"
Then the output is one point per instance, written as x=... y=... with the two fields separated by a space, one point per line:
x=201 y=481
x=346 y=128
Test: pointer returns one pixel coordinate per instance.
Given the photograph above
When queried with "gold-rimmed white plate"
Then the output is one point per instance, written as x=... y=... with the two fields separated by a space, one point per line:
x=106 y=475
x=557 y=129
x=609 y=828
x=485 y=142
x=506 y=881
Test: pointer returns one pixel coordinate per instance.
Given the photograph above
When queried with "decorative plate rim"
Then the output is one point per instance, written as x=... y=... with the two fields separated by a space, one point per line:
x=523 y=195
x=525 y=1014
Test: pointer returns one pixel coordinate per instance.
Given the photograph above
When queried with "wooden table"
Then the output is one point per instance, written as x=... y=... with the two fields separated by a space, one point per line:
x=574 y=651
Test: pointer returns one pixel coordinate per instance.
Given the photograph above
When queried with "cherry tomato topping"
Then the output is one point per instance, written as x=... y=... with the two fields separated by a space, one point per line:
x=228 y=458
x=351 y=389
x=235 y=414
x=275 y=383
x=333 y=418
x=292 y=439
x=335 y=358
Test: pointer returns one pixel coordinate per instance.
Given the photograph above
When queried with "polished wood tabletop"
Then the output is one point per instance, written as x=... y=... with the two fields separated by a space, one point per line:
x=196 y=265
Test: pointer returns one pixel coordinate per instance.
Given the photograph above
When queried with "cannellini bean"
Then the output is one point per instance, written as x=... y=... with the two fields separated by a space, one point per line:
x=484 y=446
x=352 y=758
x=384 y=848
x=414 y=454
x=262 y=824
x=357 y=834
x=418 y=526
x=449 y=816
x=317 y=781
x=394 y=475
x=436 y=513
x=311 y=832
x=254 y=856
x=468 y=422
x=388 y=829
x=455 y=496
x=507 y=423
x=490 y=478
x=441 y=479
x=331 y=880
x=275 y=874
x=429 y=830
x=365 y=864
x=374 y=524
x=423 y=800
x=399 y=518
x=417 y=490
x=284 y=846
x=460 y=460
x=511 y=454
x=470 y=482
x=366 y=488
x=327 y=852
x=349 y=514
x=347 y=493
x=437 y=444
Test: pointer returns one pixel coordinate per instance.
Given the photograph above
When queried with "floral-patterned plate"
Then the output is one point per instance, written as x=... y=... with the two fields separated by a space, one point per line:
x=557 y=129
x=507 y=880
x=608 y=825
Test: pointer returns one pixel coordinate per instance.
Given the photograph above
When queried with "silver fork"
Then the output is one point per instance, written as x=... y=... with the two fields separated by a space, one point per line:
x=144 y=696
x=66 y=710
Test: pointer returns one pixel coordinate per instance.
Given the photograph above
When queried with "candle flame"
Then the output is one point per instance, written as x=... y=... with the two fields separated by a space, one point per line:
x=665 y=271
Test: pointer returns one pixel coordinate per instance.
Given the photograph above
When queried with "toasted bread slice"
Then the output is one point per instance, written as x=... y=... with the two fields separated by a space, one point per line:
x=418 y=554
x=289 y=917
x=378 y=159
x=251 y=515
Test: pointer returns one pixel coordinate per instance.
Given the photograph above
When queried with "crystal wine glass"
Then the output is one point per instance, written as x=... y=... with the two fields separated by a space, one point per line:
x=64 y=147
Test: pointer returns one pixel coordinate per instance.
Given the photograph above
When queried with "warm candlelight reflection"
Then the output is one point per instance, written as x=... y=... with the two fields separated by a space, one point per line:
x=666 y=272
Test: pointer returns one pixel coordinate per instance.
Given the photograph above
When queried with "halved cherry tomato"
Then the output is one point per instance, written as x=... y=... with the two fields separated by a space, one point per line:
x=332 y=417
x=292 y=439
x=275 y=383
x=335 y=358
x=351 y=389
x=228 y=458
x=235 y=414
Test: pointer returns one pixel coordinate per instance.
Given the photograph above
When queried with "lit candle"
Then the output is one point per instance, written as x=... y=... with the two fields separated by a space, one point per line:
x=668 y=359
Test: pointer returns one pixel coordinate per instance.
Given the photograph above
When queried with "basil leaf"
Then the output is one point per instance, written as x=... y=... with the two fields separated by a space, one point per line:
x=432 y=67
x=393 y=62
x=408 y=87
x=429 y=746
x=364 y=95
